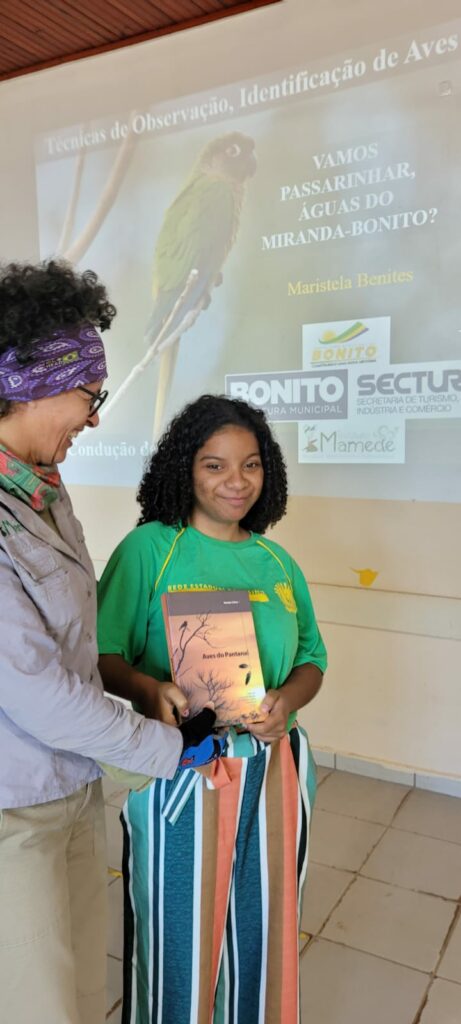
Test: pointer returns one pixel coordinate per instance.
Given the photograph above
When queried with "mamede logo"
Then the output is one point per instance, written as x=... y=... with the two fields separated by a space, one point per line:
x=351 y=443
x=293 y=395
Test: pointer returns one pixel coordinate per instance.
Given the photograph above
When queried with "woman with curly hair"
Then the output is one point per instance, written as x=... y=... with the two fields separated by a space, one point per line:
x=54 y=717
x=214 y=861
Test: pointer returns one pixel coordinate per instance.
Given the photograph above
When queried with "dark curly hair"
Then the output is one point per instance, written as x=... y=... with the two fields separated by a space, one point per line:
x=37 y=299
x=166 y=493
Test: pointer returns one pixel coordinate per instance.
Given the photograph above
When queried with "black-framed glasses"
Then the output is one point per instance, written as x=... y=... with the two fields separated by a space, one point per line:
x=97 y=399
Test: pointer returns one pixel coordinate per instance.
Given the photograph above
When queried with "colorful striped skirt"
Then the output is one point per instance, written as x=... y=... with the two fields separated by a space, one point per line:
x=213 y=874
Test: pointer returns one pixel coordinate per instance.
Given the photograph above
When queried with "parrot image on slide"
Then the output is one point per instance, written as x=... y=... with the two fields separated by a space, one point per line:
x=196 y=236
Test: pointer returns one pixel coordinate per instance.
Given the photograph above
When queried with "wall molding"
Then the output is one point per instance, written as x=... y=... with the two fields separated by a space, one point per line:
x=449 y=785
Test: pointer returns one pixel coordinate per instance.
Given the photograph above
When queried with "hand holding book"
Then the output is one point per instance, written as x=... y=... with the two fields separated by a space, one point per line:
x=275 y=725
x=173 y=706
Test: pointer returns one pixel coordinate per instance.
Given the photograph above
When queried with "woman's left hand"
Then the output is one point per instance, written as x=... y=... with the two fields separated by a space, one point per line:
x=275 y=725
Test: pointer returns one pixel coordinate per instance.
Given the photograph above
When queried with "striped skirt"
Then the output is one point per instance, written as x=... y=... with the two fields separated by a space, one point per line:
x=213 y=873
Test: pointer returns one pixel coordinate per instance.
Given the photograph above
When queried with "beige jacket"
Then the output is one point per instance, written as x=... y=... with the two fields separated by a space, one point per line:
x=54 y=718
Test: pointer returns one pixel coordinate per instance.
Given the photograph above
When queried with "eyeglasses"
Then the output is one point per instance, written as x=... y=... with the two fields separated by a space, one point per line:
x=97 y=399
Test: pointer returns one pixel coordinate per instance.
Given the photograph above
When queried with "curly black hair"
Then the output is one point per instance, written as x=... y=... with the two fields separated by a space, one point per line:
x=166 y=492
x=37 y=299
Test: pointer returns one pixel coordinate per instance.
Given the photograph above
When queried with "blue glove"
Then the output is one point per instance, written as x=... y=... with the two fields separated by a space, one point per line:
x=201 y=746
x=202 y=753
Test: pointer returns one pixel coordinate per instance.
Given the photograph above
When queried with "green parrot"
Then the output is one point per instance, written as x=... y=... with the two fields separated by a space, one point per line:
x=197 y=234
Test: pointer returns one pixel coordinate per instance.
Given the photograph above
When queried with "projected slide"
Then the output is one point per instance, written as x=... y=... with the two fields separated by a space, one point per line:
x=292 y=240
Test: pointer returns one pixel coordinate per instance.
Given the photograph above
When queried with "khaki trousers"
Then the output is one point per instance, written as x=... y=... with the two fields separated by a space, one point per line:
x=53 y=903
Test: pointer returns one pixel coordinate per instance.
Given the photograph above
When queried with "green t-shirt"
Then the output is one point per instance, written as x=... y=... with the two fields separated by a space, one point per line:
x=155 y=558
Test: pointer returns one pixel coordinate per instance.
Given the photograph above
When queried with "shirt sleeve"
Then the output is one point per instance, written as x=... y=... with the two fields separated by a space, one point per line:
x=54 y=705
x=311 y=647
x=123 y=598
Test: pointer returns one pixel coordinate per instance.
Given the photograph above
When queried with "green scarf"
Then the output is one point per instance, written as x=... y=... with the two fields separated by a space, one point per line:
x=37 y=486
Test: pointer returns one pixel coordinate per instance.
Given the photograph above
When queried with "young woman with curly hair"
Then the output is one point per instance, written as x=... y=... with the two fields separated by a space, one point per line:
x=54 y=717
x=214 y=861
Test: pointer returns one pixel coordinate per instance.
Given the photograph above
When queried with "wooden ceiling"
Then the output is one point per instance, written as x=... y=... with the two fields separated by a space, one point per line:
x=36 y=34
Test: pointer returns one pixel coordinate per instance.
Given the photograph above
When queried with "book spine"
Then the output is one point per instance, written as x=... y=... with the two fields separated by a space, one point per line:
x=169 y=642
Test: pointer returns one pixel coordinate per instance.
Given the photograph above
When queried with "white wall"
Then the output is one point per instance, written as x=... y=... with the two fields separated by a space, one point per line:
x=392 y=692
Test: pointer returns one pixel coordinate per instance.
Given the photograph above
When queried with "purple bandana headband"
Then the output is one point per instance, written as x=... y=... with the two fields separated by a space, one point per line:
x=70 y=357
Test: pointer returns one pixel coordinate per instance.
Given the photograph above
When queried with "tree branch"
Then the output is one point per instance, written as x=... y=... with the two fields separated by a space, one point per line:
x=69 y=218
x=110 y=191
x=159 y=344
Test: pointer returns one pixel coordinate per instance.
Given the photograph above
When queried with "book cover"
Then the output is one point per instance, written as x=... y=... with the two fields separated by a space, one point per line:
x=214 y=653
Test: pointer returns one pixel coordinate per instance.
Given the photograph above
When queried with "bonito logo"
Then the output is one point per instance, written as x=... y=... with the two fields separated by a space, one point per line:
x=331 y=337
x=346 y=342
x=293 y=395
x=344 y=347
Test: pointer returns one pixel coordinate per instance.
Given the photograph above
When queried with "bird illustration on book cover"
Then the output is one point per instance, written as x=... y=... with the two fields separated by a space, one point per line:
x=214 y=653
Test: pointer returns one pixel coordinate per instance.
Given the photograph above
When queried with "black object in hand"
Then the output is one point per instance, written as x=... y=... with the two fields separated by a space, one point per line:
x=195 y=730
x=201 y=745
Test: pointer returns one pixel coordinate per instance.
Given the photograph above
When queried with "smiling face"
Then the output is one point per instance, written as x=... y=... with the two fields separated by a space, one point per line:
x=227 y=479
x=42 y=431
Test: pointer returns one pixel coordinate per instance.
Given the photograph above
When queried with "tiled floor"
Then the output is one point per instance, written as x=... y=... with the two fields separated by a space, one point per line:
x=381 y=940
x=381 y=927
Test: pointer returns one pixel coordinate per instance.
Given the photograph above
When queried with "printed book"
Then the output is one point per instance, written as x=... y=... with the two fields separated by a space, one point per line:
x=214 y=653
